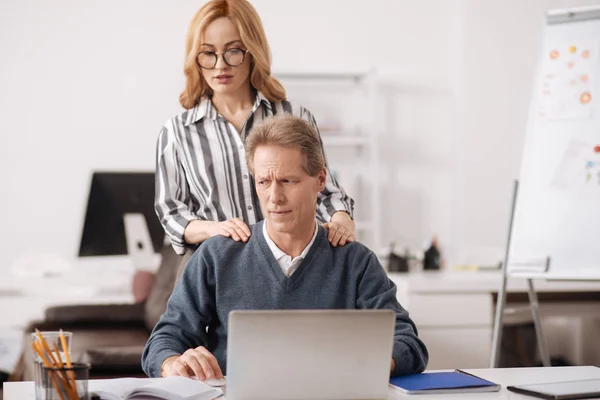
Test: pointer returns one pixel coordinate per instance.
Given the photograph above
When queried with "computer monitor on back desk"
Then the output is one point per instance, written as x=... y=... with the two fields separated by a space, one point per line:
x=120 y=218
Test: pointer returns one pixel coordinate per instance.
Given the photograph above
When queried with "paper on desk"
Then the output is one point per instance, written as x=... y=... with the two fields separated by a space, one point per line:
x=40 y=265
x=11 y=342
x=395 y=395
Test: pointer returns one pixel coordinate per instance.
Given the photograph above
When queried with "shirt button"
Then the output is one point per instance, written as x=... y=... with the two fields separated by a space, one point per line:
x=245 y=176
x=241 y=147
x=249 y=207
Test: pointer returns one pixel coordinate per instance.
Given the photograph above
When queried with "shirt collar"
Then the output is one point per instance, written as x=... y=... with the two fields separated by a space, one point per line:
x=277 y=252
x=206 y=109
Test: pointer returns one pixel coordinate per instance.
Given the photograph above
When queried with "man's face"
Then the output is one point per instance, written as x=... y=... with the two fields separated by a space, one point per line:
x=288 y=195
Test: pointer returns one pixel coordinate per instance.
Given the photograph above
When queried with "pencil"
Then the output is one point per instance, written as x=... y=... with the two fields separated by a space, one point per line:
x=37 y=347
x=69 y=376
x=63 y=342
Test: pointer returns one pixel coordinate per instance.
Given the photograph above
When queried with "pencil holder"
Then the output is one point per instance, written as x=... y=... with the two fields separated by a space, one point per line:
x=65 y=383
x=54 y=341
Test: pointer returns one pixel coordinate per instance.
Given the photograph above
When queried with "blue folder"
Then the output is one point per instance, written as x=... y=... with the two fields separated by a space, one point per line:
x=456 y=381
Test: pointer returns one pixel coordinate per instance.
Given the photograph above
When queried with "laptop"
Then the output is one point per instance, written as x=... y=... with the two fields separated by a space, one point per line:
x=309 y=354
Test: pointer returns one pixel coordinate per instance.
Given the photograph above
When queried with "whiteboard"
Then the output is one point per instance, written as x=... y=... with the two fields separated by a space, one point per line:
x=556 y=223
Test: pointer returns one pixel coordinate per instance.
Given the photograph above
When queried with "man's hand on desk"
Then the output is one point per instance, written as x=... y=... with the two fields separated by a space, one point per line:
x=197 y=362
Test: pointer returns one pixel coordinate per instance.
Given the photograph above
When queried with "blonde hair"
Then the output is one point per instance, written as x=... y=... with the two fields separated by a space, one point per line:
x=288 y=131
x=245 y=18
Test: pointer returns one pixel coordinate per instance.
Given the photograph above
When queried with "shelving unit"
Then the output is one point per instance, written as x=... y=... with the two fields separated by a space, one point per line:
x=344 y=140
x=351 y=146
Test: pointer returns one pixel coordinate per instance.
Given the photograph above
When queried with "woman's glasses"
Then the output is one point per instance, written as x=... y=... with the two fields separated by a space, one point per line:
x=232 y=57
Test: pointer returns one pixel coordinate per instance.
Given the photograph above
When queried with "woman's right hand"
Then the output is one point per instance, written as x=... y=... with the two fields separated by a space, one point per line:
x=234 y=228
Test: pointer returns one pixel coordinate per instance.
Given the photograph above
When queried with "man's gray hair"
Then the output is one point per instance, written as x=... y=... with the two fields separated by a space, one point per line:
x=288 y=131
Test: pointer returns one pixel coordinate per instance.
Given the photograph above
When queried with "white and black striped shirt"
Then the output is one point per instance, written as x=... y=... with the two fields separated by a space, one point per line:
x=201 y=170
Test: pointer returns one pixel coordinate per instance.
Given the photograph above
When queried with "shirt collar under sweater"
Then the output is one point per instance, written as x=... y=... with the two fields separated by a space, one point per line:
x=287 y=264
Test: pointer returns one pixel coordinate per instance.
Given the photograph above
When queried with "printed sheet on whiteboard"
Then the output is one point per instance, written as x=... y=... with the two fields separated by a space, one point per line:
x=566 y=82
x=579 y=167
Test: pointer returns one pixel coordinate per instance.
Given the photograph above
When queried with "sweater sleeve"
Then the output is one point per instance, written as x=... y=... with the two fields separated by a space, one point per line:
x=190 y=310
x=377 y=291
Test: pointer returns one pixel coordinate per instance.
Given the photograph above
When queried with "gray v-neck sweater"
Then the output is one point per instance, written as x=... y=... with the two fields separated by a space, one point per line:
x=225 y=275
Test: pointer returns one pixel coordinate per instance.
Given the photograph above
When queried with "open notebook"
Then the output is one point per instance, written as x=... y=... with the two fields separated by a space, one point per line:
x=172 y=388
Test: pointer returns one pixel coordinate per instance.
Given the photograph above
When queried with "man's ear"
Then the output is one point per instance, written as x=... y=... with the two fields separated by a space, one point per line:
x=322 y=179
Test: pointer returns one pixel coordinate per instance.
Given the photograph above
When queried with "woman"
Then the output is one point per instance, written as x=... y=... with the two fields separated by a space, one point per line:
x=203 y=187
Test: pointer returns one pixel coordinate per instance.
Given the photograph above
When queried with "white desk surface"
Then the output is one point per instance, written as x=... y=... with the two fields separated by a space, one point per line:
x=81 y=278
x=502 y=376
x=24 y=297
x=479 y=282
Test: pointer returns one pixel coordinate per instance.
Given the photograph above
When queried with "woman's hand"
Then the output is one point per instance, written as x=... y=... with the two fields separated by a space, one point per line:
x=198 y=231
x=234 y=228
x=341 y=229
x=194 y=362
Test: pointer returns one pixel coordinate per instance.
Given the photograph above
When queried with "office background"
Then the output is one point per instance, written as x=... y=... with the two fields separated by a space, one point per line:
x=86 y=85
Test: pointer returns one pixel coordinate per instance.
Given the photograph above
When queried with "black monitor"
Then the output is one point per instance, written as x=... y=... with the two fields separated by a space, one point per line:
x=112 y=195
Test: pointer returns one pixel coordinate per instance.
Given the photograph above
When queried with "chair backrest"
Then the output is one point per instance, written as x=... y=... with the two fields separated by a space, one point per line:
x=164 y=282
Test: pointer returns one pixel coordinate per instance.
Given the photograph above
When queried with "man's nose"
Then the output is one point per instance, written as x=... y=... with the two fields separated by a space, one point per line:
x=276 y=194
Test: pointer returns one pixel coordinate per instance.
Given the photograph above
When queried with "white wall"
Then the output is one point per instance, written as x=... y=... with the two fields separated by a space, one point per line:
x=502 y=41
x=84 y=85
x=87 y=85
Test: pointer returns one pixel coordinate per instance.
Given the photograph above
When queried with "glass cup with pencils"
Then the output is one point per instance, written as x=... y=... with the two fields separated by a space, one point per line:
x=56 y=376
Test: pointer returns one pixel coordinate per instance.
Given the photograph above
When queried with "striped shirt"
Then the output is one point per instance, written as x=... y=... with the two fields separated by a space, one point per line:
x=201 y=170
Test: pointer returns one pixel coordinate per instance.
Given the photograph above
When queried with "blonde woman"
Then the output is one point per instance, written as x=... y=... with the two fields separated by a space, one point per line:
x=203 y=187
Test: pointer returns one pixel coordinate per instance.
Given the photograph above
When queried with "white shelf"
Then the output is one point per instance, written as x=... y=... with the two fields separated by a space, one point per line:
x=343 y=140
x=321 y=76
x=335 y=139
x=363 y=225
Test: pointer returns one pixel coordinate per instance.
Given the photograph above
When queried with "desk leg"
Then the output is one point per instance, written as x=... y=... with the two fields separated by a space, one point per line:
x=498 y=325
x=501 y=302
x=535 y=312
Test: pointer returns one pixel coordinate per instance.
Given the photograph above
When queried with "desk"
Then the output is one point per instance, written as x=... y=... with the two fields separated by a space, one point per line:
x=454 y=312
x=95 y=281
x=25 y=299
x=503 y=376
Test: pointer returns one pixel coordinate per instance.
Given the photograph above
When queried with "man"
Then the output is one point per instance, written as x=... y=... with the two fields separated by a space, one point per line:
x=287 y=263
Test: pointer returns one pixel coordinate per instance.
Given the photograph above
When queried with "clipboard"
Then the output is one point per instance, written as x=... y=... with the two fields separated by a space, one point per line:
x=569 y=390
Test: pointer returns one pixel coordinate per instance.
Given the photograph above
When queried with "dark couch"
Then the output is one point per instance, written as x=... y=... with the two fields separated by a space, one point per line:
x=111 y=337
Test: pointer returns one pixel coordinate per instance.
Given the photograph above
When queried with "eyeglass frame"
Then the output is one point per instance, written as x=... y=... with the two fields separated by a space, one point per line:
x=222 y=55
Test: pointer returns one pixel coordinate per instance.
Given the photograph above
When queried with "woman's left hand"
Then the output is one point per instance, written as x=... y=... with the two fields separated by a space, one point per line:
x=341 y=229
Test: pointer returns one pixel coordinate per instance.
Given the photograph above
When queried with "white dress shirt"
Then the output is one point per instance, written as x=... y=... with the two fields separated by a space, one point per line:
x=287 y=264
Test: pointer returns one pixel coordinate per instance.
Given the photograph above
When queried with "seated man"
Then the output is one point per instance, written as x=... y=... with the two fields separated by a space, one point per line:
x=287 y=263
